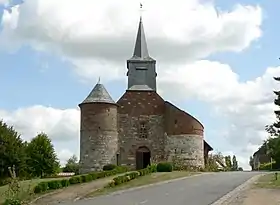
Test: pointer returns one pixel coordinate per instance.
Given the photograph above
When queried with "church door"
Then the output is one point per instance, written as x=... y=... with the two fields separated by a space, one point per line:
x=143 y=158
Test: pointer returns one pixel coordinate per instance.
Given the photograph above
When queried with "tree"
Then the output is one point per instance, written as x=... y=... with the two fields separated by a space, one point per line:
x=72 y=165
x=251 y=162
x=272 y=145
x=12 y=151
x=42 y=159
x=228 y=162
x=234 y=163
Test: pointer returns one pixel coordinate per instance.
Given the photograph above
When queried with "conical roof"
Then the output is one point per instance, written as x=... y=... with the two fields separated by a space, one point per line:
x=99 y=94
x=141 y=48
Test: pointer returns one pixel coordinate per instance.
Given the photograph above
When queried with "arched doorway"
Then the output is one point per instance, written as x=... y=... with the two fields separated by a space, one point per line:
x=143 y=157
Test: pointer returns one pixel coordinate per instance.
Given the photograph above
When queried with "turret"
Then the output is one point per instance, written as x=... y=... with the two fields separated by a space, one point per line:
x=98 y=131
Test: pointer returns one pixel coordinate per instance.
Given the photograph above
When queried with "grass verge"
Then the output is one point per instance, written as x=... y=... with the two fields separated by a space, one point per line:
x=268 y=181
x=26 y=188
x=144 y=180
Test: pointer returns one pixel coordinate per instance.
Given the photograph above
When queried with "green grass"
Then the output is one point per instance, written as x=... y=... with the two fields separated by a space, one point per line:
x=26 y=188
x=148 y=179
x=268 y=181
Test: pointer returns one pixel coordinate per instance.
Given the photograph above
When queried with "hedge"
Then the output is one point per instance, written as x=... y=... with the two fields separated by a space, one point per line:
x=132 y=175
x=109 y=167
x=57 y=184
x=164 y=167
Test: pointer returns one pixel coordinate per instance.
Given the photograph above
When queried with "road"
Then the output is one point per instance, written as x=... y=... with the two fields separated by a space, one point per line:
x=198 y=190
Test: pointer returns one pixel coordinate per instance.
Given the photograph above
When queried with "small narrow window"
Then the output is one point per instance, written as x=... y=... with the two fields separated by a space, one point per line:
x=175 y=121
x=143 y=131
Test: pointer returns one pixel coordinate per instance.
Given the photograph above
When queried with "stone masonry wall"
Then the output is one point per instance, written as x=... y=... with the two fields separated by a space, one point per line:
x=98 y=136
x=185 y=136
x=130 y=140
x=136 y=107
x=188 y=148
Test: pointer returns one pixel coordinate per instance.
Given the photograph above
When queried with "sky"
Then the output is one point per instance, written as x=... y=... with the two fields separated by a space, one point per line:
x=216 y=59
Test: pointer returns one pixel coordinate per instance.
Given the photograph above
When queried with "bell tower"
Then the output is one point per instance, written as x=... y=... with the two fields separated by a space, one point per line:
x=141 y=67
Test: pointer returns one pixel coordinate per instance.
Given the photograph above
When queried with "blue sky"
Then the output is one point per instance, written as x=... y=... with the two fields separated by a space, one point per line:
x=30 y=77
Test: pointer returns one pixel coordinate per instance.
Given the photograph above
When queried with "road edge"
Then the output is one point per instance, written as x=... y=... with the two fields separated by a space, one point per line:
x=235 y=192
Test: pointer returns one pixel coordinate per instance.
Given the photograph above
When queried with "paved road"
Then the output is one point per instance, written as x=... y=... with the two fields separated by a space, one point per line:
x=198 y=190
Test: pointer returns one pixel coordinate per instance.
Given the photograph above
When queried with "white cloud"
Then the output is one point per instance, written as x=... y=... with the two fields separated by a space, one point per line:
x=87 y=32
x=62 y=126
x=4 y=2
x=97 y=37
x=246 y=107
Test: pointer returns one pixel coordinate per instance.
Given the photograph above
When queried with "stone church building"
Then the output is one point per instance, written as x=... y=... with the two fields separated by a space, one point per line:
x=141 y=127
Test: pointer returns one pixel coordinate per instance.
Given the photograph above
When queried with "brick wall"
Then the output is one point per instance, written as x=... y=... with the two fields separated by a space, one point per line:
x=136 y=107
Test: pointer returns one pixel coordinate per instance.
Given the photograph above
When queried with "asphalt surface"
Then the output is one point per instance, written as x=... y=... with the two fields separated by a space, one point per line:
x=198 y=190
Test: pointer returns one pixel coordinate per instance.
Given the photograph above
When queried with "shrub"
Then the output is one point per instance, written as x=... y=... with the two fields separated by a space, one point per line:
x=109 y=167
x=75 y=180
x=12 y=201
x=164 y=167
x=133 y=175
x=152 y=168
x=121 y=179
x=41 y=187
x=54 y=184
x=65 y=183
x=5 y=181
x=86 y=178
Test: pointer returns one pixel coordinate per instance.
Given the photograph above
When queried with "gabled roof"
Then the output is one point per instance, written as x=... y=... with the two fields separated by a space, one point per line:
x=141 y=49
x=206 y=144
x=99 y=94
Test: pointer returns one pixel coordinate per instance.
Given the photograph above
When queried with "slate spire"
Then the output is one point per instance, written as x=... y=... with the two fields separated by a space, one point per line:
x=99 y=94
x=141 y=48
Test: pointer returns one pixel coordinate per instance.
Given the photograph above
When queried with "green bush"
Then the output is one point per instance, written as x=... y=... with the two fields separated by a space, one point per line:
x=152 y=168
x=121 y=179
x=164 y=167
x=133 y=175
x=267 y=166
x=65 y=183
x=128 y=177
x=54 y=184
x=75 y=180
x=12 y=201
x=5 y=181
x=41 y=187
x=86 y=178
x=109 y=167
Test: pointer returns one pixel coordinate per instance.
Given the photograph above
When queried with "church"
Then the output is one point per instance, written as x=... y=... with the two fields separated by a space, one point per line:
x=141 y=127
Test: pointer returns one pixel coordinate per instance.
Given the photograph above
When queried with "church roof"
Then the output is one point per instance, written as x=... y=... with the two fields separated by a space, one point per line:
x=99 y=94
x=141 y=48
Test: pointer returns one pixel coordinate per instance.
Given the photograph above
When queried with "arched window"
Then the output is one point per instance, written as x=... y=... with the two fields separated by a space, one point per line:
x=143 y=130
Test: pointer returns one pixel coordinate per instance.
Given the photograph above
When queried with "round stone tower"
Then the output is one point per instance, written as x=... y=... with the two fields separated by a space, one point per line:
x=98 y=131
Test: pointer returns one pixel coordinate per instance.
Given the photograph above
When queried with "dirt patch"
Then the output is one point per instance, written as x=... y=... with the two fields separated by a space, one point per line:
x=258 y=196
x=265 y=191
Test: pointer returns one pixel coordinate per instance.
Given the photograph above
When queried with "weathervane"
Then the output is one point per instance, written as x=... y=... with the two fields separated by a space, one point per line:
x=141 y=10
x=98 y=82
